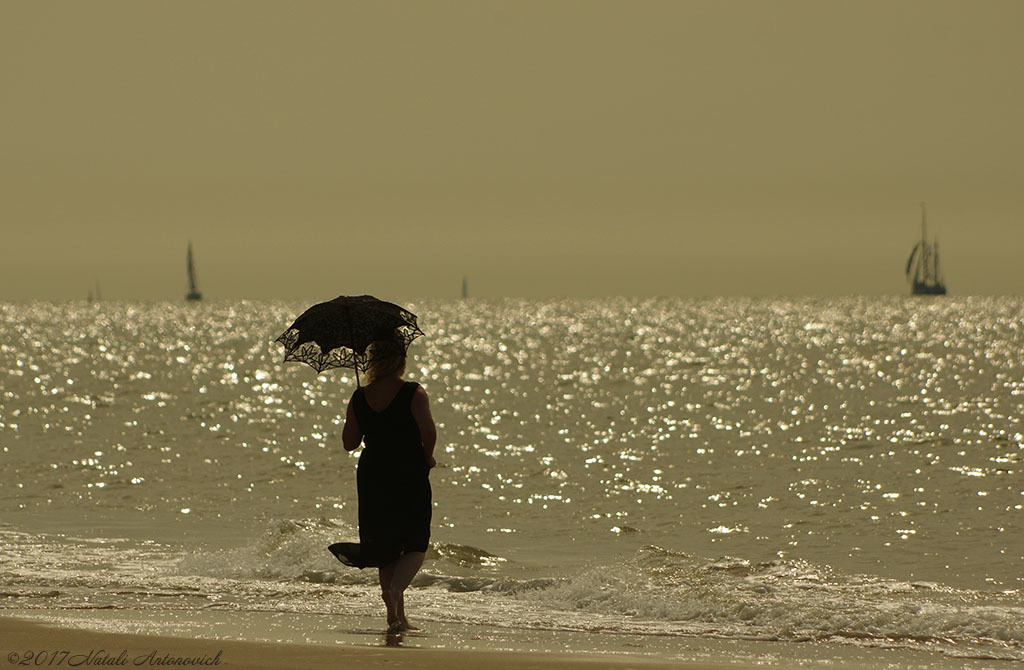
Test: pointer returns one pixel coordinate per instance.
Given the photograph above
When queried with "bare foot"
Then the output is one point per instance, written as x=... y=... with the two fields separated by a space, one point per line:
x=392 y=615
x=406 y=625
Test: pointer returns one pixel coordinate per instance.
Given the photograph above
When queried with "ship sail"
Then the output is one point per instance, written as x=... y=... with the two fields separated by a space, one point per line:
x=193 y=290
x=923 y=264
x=910 y=261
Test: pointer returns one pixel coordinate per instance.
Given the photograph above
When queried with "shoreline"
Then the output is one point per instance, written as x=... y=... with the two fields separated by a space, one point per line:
x=33 y=643
x=255 y=639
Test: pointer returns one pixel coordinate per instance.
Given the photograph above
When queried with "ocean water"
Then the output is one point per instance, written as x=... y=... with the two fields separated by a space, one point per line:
x=824 y=471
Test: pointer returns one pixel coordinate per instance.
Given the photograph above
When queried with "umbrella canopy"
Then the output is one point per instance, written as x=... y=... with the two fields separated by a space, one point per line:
x=336 y=333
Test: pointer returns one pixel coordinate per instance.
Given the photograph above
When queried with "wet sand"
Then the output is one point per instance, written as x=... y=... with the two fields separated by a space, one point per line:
x=31 y=644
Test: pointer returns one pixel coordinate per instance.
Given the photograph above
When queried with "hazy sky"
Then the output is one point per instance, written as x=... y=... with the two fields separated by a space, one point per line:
x=543 y=148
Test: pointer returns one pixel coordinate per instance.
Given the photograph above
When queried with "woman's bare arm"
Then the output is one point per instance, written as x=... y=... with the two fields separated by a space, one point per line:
x=428 y=431
x=351 y=434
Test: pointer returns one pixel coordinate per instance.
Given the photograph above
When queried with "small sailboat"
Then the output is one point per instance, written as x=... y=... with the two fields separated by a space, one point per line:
x=465 y=287
x=193 y=290
x=923 y=265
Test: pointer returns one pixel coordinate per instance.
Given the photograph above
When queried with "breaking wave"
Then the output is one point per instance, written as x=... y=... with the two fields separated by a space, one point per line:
x=658 y=591
x=788 y=600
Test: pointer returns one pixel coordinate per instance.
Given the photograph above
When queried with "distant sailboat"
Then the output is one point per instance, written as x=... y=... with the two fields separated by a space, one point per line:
x=193 y=291
x=923 y=265
x=465 y=287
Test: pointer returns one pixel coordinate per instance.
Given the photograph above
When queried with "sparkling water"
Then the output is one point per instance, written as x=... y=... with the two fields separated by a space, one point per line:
x=838 y=470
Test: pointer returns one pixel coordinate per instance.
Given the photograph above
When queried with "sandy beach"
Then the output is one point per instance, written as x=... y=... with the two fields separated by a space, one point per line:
x=31 y=644
x=276 y=640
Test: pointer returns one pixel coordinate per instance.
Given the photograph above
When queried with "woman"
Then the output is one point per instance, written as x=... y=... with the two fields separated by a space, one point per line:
x=393 y=417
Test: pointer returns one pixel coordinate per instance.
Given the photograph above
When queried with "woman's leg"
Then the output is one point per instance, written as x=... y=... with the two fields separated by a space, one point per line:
x=386 y=575
x=405 y=568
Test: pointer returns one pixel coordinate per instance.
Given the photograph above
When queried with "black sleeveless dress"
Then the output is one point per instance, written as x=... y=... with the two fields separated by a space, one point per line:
x=393 y=483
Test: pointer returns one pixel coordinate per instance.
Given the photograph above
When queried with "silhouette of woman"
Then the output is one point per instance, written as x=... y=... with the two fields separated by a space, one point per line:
x=392 y=417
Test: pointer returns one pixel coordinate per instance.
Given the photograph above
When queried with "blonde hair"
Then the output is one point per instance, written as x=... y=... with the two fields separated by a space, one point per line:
x=386 y=357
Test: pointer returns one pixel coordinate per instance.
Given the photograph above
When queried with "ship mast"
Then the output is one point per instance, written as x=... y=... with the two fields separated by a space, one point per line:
x=924 y=259
x=926 y=250
x=193 y=293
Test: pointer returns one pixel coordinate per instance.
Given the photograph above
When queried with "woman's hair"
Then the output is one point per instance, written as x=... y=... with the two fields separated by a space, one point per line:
x=386 y=357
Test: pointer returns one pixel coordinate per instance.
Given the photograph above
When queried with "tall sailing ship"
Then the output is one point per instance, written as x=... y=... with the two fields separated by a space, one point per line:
x=923 y=265
x=193 y=291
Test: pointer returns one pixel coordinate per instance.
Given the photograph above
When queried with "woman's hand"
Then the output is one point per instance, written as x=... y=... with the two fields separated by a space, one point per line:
x=431 y=463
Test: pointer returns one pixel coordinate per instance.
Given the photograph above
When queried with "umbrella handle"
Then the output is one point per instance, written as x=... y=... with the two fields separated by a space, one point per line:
x=357 y=377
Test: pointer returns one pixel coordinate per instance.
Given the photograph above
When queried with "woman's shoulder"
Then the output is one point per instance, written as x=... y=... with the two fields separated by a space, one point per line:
x=418 y=397
x=413 y=389
x=416 y=388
